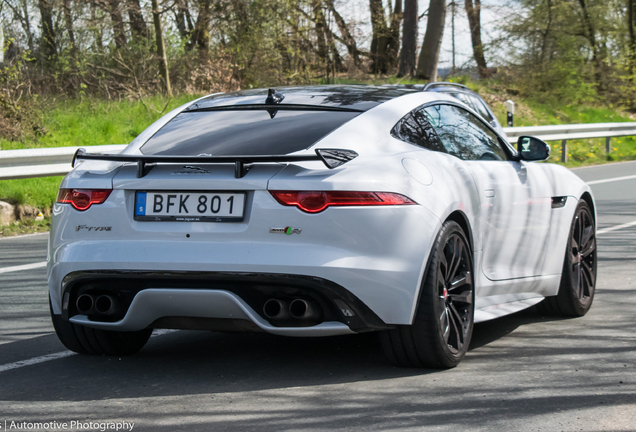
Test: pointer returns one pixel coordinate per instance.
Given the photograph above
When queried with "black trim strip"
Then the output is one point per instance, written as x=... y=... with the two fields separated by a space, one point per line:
x=277 y=107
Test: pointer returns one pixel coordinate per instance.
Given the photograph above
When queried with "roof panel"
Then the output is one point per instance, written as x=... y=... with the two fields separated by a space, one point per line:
x=359 y=97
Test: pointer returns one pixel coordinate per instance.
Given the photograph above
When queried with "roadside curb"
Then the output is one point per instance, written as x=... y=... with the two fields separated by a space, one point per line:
x=23 y=235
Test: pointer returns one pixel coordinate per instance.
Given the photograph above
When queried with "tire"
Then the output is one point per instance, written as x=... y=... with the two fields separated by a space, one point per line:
x=86 y=340
x=441 y=331
x=578 y=278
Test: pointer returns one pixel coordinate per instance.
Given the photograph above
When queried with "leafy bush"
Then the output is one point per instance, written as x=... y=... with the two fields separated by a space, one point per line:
x=20 y=116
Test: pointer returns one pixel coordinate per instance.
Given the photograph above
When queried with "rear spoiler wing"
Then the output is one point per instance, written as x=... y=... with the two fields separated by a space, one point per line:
x=332 y=158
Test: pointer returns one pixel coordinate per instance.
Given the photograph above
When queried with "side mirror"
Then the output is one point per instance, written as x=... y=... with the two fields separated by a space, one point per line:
x=532 y=149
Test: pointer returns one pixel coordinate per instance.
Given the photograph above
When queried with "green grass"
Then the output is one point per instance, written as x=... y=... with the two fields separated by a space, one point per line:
x=28 y=226
x=37 y=192
x=580 y=152
x=92 y=121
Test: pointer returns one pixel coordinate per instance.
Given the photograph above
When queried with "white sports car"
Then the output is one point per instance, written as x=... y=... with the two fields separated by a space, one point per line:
x=316 y=211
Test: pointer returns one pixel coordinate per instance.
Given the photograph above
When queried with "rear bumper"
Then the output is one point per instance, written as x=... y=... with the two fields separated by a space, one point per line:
x=153 y=304
x=213 y=301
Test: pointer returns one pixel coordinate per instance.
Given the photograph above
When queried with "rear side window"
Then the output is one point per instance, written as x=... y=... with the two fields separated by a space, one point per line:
x=463 y=134
x=243 y=132
x=414 y=128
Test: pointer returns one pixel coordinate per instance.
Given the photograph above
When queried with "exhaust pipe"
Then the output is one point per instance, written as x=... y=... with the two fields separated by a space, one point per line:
x=305 y=310
x=276 y=309
x=107 y=305
x=85 y=304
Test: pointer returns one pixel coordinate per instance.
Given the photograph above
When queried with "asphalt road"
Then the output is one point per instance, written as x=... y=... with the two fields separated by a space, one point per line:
x=523 y=372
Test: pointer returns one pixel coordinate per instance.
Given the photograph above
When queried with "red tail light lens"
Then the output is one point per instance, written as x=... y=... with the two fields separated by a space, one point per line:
x=316 y=201
x=82 y=199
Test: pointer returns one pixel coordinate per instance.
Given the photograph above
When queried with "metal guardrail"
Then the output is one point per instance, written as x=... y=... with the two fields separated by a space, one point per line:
x=43 y=162
x=564 y=133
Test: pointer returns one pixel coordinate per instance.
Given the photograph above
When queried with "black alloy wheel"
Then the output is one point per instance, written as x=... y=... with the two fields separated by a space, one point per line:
x=578 y=279
x=442 y=328
x=583 y=255
x=455 y=292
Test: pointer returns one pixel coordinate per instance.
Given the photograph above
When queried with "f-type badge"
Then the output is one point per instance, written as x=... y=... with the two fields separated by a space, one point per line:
x=286 y=230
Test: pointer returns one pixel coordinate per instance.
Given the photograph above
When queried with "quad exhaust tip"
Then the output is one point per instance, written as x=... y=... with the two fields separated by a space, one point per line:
x=303 y=309
x=299 y=309
x=105 y=305
x=275 y=309
x=85 y=304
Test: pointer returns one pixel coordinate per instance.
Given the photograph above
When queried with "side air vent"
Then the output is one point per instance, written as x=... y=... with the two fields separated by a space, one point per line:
x=559 y=202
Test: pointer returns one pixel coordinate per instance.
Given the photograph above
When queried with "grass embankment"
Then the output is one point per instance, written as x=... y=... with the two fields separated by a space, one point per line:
x=580 y=152
x=89 y=122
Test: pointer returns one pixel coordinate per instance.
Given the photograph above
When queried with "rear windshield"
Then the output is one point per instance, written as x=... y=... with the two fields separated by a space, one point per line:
x=240 y=133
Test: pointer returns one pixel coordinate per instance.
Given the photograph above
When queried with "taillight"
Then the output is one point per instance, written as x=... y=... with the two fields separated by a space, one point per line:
x=316 y=201
x=82 y=199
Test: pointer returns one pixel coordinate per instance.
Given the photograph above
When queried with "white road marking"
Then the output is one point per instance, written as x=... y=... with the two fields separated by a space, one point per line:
x=22 y=267
x=617 y=227
x=612 y=179
x=61 y=354
x=35 y=360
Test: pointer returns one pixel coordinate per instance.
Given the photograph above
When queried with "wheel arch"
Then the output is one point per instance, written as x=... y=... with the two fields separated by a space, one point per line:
x=461 y=219
x=587 y=197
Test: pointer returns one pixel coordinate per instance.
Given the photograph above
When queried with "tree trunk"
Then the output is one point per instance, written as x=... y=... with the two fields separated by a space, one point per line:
x=137 y=23
x=68 y=19
x=474 y=20
x=429 y=55
x=49 y=47
x=117 y=21
x=631 y=24
x=183 y=19
x=201 y=34
x=546 y=34
x=161 y=48
x=379 y=38
x=349 y=41
x=97 y=32
x=409 y=39
x=27 y=25
x=393 y=42
x=320 y=24
x=590 y=34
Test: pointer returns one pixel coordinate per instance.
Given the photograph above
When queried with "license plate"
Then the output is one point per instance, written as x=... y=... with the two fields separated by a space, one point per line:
x=189 y=206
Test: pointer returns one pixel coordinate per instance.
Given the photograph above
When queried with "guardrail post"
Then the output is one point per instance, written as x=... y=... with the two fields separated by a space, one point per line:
x=564 y=151
x=608 y=148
